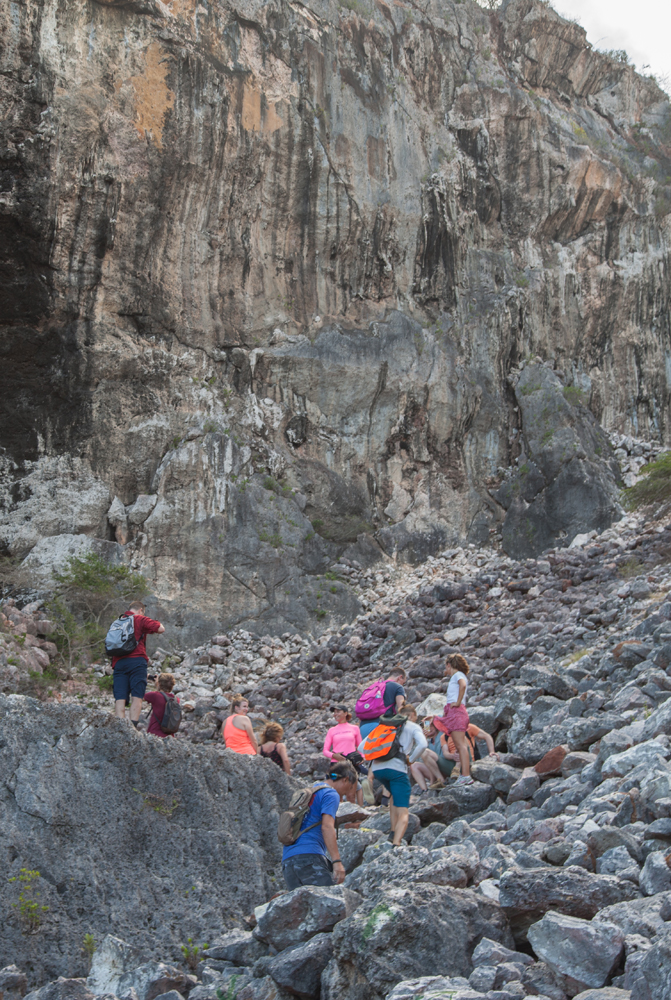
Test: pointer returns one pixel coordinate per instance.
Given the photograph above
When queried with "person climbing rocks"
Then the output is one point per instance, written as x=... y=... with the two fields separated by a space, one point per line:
x=392 y=698
x=450 y=754
x=129 y=672
x=305 y=862
x=237 y=733
x=455 y=717
x=272 y=747
x=157 y=699
x=393 y=774
x=425 y=771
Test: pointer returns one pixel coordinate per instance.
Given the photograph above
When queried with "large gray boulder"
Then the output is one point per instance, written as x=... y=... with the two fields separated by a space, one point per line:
x=567 y=479
x=13 y=983
x=298 y=915
x=353 y=843
x=656 y=874
x=111 y=959
x=62 y=989
x=526 y=895
x=645 y=917
x=658 y=721
x=434 y=988
x=586 y=952
x=240 y=947
x=299 y=969
x=151 y=980
x=401 y=932
x=654 y=979
x=70 y=773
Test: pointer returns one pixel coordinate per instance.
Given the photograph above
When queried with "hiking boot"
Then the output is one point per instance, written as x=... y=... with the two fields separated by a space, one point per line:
x=437 y=784
x=464 y=779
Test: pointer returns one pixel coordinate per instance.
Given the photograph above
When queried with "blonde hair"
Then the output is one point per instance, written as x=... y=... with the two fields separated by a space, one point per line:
x=272 y=733
x=166 y=682
x=457 y=662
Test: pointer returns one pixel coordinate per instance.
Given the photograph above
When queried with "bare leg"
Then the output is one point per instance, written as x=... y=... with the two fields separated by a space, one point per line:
x=135 y=708
x=400 y=826
x=460 y=743
x=430 y=761
x=120 y=709
x=419 y=774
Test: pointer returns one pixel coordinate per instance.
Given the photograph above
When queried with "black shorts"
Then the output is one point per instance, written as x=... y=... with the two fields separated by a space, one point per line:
x=307 y=869
x=130 y=678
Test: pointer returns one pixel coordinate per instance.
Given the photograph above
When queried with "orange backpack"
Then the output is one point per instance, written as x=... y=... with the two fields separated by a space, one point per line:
x=384 y=742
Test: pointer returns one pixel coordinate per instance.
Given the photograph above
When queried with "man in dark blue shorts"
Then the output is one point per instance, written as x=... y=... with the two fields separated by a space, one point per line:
x=130 y=672
x=305 y=862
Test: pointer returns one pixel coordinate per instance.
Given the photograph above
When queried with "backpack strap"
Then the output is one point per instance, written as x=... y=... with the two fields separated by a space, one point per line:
x=319 y=821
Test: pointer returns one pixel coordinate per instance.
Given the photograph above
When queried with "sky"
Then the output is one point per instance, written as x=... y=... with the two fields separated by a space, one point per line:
x=642 y=28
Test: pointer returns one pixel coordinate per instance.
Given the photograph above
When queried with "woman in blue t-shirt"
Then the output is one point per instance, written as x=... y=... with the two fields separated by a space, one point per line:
x=305 y=862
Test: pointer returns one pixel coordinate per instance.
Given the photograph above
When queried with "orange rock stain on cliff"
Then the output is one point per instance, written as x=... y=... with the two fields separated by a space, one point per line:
x=153 y=97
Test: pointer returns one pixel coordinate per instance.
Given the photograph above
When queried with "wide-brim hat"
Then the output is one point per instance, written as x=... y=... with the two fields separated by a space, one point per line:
x=439 y=723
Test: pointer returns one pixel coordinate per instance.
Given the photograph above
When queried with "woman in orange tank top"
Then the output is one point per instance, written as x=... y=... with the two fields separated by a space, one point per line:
x=237 y=733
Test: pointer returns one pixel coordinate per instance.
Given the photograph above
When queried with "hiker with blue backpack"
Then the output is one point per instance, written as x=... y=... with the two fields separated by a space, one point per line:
x=125 y=643
x=308 y=830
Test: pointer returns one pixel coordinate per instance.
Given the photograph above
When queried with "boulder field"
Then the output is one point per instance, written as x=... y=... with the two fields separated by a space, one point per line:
x=549 y=876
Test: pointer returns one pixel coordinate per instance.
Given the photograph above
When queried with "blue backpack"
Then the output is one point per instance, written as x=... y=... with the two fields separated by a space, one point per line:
x=120 y=639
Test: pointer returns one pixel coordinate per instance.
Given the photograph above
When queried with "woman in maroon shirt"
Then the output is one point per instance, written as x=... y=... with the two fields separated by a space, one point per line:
x=157 y=699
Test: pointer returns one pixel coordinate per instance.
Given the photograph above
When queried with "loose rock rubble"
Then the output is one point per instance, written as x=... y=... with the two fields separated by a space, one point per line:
x=550 y=876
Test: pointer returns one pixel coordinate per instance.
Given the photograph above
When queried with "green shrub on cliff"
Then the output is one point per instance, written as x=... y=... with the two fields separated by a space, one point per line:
x=89 y=593
x=655 y=487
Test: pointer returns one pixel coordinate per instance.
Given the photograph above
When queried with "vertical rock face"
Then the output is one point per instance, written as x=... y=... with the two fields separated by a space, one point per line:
x=311 y=243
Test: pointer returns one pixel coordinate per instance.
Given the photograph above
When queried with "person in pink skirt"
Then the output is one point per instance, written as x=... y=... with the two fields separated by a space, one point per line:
x=455 y=717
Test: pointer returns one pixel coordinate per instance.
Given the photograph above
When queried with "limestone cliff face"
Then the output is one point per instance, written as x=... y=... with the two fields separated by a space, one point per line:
x=308 y=246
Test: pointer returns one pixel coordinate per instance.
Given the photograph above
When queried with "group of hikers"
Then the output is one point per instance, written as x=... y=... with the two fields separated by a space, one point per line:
x=372 y=762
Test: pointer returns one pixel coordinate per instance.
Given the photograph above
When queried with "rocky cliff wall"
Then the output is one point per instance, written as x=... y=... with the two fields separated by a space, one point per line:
x=309 y=245
x=152 y=840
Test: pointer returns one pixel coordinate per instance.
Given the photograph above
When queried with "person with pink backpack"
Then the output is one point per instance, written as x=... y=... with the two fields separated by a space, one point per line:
x=383 y=697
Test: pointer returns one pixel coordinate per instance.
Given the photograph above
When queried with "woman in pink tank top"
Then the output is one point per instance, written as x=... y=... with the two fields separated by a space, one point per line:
x=237 y=733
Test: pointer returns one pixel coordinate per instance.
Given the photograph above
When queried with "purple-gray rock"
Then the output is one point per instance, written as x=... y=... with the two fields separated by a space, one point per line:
x=13 y=983
x=298 y=915
x=653 y=981
x=527 y=895
x=386 y=941
x=239 y=947
x=299 y=969
x=656 y=874
x=585 y=951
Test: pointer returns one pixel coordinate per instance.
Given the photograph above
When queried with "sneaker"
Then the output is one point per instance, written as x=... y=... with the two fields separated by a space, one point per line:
x=464 y=779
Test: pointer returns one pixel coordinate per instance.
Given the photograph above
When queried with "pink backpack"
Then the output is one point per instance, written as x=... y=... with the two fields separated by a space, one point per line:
x=371 y=702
